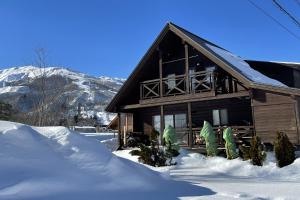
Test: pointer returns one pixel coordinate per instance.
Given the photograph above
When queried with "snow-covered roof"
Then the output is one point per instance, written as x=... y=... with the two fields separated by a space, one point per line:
x=243 y=67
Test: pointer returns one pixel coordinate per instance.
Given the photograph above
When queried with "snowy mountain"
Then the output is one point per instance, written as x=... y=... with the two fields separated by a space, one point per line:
x=20 y=86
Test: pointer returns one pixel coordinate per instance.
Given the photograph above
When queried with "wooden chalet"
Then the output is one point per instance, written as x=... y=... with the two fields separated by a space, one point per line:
x=183 y=80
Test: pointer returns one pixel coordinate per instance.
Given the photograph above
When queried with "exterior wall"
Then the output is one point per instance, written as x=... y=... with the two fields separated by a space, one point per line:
x=274 y=112
x=239 y=113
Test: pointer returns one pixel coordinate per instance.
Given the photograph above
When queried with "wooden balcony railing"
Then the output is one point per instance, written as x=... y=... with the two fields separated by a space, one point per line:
x=240 y=133
x=177 y=85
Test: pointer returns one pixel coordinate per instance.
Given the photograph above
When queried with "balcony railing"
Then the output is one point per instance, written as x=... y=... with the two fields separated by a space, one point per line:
x=177 y=85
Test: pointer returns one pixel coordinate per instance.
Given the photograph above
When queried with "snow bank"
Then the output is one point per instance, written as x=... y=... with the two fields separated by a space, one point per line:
x=221 y=167
x=55 y=163
x=233 y=179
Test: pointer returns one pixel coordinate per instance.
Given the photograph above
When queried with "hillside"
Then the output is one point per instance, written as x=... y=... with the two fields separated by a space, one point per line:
x=71 y=91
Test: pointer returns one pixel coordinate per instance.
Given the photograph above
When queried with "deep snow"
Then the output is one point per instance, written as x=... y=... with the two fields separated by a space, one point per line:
x=233 y=179
x=55 y=163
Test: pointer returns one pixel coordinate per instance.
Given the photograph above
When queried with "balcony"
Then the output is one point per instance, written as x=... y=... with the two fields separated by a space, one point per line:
x=199 y=82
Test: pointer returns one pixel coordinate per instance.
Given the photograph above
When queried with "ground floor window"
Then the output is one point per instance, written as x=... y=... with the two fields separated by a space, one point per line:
x=156 y=122
x=175 y=120
x=220 y=117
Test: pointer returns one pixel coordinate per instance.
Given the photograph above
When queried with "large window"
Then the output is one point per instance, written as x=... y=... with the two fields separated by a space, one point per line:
x=156 y=122
x=177 y=121
x=220 y=117
x=180 y=121
x=169 y=120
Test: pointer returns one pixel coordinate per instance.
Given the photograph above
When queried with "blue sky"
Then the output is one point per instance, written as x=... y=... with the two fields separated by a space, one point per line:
x=110 y=37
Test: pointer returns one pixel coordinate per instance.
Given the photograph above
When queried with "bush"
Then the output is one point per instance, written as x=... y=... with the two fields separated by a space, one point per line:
x=134 y=139
x=151 y=155
x=244 y=152
x=210 y=139
x=284 y=150
x=230 y=144
x=172 y=148
x=256 y=151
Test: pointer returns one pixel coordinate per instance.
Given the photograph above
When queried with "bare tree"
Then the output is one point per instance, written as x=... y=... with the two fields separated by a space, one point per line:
x=48 y=104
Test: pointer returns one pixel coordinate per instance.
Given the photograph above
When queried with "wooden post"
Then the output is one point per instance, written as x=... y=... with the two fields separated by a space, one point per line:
x=125 y=129
x=190 y=123
x=296 y=106
x=160 y=74
x=251 y=95
x=187 y=76
x=162 y=123
x=119 y=130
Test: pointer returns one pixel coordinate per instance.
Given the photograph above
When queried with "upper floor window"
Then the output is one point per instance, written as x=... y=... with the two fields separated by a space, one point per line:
x=171 y=81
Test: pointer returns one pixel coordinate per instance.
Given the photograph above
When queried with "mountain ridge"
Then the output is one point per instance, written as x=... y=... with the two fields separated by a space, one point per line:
x=20 y=85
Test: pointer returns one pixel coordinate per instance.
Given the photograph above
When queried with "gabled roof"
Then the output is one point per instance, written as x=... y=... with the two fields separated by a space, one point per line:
x=231 y=63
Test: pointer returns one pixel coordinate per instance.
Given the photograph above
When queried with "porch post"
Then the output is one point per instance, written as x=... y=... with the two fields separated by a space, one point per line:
x=125 y=129
x=187 y=77
x=119 y=130
x=191 y=139
x=160 y=75
x=162 y=123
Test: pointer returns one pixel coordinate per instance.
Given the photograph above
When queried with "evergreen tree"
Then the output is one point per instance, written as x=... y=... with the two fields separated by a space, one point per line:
x=5 y=111
x=152 y=155
x=284 y=150
x=257 y=153
x=229 y=144
x=210 y=139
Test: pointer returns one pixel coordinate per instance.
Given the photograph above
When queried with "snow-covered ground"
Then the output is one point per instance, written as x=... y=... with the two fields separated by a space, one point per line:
x=110 y=140
x=56 y=163
x=232 y=179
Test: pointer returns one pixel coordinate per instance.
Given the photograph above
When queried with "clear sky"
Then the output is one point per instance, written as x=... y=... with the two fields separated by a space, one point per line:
x=110 y=37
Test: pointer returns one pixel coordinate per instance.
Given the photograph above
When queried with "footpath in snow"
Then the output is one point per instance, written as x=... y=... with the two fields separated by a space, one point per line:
x=55 y=163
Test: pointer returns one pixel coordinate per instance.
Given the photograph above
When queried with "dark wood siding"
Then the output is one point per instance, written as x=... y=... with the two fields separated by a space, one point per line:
x=239 y=111
x=274 y=112
x=143 y=119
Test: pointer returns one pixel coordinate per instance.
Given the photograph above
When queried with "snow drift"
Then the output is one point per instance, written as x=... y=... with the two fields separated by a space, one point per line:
x=55 y=163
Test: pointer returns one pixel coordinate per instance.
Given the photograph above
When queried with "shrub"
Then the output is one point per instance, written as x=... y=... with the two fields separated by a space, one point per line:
x=256 y=151
x=230 y=144
x=284 y=150
x=244 y=152
x=134 y=139
x=210 y=139
x=151 y=155
x=172 y=148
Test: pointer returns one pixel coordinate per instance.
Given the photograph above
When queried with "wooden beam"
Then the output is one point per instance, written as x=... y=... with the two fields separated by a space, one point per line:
x=125 y=129
x=191 y=139
x=187 y=77
x=119 y=130
x=162 y=123
x=184 y=99
x=297 y=117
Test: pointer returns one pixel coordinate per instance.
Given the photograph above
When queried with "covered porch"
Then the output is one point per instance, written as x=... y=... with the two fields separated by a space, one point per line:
x=187 y=119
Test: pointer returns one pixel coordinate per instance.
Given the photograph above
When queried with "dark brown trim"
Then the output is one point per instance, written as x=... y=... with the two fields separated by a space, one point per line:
x=186 y=99
x=190 y=124
x=162 y=123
